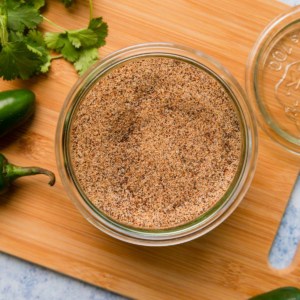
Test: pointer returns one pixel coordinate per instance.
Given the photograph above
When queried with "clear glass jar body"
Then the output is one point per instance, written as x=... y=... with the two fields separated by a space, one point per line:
x=220 y=211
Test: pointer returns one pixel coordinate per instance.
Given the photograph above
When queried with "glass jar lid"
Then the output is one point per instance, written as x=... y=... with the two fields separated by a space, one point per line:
x=273 y=79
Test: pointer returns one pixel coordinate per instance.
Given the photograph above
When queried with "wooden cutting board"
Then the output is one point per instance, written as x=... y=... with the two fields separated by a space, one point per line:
x=40 y=224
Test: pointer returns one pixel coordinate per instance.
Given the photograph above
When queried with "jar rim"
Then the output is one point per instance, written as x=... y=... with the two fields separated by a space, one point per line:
x=189 y=230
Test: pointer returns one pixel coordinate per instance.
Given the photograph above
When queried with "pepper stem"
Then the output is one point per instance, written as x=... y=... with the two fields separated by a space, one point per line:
x=13 y=172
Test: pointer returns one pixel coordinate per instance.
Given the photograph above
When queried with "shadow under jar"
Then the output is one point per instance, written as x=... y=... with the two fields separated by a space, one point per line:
x=156 y=145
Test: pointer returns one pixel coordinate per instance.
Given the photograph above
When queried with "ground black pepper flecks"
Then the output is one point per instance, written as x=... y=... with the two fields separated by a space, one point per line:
x=155 y=143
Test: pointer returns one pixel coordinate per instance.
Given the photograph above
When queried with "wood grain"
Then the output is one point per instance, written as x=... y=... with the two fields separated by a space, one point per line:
x=41 y=224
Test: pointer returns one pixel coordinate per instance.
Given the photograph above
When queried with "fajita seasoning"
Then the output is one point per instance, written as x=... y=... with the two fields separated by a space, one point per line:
x=156 y=142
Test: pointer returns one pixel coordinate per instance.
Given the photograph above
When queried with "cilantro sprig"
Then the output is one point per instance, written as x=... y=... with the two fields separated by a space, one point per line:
x=25 y=51
x=79 y=47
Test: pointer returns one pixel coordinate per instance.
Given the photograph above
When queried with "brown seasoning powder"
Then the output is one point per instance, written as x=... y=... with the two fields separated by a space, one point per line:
x=155 y=143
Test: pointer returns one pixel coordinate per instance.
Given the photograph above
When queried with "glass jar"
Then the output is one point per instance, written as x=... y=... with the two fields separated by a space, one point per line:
x=273 y=80
x=215 y=215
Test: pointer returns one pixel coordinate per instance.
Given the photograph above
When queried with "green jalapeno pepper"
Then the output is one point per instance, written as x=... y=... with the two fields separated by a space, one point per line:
x=285 y=293
x=16 y=107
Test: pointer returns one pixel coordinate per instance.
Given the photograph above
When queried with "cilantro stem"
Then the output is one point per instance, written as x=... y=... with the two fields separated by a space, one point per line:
x=3 y=33
x=54 y=24
x=91 y=9
x=56 y=57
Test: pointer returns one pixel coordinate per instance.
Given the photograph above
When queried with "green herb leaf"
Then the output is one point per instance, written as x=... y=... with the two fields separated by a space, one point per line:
x=37 y=4
x=36 y=44
x=83 y=38
x=100 y=28
x=61 y=44
x=17 y=61
x=21 y=16
x=36 y=37
x=68 y=51
x=15 y=36
x=86 y=59
x=53 y=40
